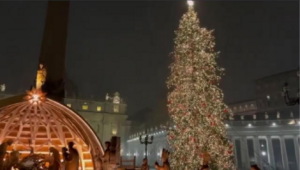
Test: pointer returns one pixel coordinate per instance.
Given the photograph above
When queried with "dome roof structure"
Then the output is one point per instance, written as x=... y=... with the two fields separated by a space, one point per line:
x=40 y=123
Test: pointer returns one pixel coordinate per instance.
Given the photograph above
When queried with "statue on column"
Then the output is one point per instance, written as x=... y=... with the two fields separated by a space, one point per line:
x=2 y=88
x=116 y=98
x=107 y=97
x=165 y=161
x=41 y=77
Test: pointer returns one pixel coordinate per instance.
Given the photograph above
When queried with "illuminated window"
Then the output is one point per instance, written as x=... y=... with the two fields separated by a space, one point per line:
x=69 y=105
x=99 y=108
x=116 y=108
x=85 y=107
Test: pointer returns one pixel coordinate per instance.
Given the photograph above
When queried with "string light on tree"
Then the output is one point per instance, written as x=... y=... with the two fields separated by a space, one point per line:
x=195 y=102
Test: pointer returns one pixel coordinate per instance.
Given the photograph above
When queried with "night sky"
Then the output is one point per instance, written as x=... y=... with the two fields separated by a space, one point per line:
x=125 y=46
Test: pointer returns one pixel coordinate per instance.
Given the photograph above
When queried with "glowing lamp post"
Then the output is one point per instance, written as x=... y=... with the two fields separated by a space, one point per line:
x=285 y=94
x=288 y=100
x=146 y=142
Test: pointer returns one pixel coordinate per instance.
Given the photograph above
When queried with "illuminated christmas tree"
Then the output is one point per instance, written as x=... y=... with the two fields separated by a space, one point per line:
x=195 y=102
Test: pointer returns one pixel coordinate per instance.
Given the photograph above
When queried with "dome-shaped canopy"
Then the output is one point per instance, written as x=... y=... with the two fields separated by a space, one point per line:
x=42 y=123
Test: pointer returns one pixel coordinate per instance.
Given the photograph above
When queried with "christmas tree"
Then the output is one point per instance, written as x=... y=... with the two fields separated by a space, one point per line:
x=195 y=102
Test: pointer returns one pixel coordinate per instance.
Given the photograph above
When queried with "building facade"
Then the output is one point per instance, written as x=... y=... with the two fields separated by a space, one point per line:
x=264 y=131
x=107 y=118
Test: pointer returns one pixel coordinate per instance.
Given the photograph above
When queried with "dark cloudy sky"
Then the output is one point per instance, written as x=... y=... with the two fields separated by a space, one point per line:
x=124 y=46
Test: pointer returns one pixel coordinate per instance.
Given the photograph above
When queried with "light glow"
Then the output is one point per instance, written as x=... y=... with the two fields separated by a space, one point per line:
x=190 y=3
x=292 y=122
x=35 y=97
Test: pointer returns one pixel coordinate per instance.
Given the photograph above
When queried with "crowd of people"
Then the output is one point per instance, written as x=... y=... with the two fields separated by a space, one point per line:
x=3 y=148
x=253 y=167
x=70 y=157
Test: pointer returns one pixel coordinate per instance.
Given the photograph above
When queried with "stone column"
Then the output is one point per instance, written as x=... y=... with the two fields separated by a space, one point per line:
x=271 y=153
x=53 y=48
x=234 y=150
x=296 y=149
x=245 y=153
x=283 y=152
x=257 y=151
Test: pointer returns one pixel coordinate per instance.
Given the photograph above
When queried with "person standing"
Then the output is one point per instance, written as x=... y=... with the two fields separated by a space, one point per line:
x=145 y=165
x=3 y=151
x=72 y=158
x=98 y=160
x=64 y=152
x=254 y=167
x=106 y=156
x=54 y=159
x=204 y=167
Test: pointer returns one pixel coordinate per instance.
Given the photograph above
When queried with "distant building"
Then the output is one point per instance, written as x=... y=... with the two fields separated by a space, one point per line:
x=264 y=131
x=268 y=89
x=107 y=118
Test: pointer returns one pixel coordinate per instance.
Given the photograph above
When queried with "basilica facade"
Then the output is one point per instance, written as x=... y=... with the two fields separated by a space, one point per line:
x=107 y=118
x=264 y=131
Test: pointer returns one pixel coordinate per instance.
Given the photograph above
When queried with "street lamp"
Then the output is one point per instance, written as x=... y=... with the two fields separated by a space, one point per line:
x=146 y=142
x=288 y=100
x=285 y=93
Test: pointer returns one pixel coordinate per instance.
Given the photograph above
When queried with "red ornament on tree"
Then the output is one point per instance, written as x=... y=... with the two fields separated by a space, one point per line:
x=225 y=111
